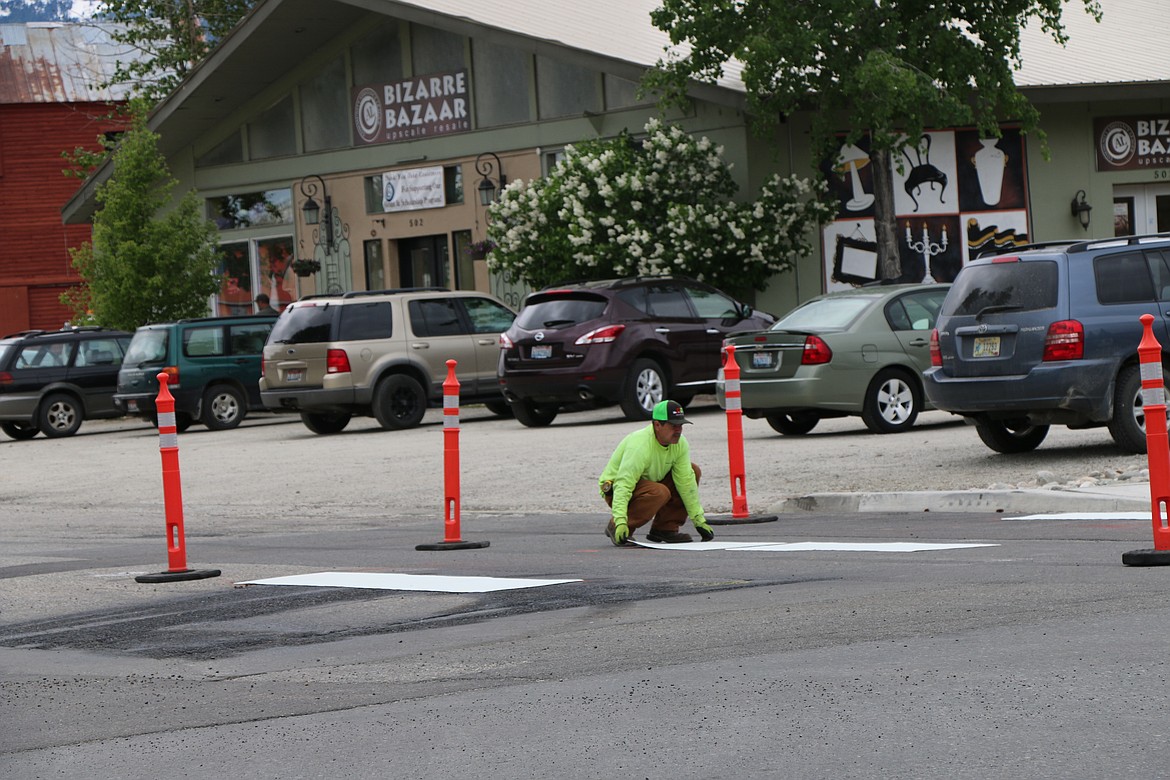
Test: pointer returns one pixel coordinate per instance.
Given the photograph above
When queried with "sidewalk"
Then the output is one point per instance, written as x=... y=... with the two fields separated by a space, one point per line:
x=1127 y=497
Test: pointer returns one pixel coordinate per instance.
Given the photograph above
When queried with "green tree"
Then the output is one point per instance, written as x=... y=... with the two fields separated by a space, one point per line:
x=886 y=69
x=171 y=37
x=662 y=205
x=143 y=265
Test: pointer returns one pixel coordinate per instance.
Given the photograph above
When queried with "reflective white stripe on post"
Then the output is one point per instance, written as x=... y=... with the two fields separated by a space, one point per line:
x=1151 y=372
x=731 y=386
x=450 y=421
x=734 y=403
x=166 y=420
x=167 y=440
x=450 y=402
x=1153 y=396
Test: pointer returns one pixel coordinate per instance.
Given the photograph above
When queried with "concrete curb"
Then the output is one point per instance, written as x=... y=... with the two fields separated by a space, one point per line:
x=1128 y=499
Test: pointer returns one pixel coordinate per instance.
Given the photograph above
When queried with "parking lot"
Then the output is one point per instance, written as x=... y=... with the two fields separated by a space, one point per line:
x=1037 y=655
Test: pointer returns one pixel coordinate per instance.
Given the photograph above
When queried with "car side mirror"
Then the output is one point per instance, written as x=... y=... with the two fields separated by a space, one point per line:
x=745 y=310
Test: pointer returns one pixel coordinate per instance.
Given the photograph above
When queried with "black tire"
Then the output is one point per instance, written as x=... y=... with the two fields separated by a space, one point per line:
x=19 y=431
x=793 y=423
x=399 y=402
x=325 y=424
x=224 y=407
x=499 y=408
x=892 y=402
x=645 y=386
x=1010 y=436
x=683 y=399
x=533 y=415
x=60 y=415
x=183 y=421
x=1128 y=424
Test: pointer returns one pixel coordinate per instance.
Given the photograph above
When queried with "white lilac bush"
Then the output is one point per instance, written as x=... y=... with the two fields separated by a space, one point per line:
x=661 y=205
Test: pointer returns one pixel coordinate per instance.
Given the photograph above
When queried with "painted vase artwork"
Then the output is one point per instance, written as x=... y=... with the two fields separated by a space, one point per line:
x=990 y=162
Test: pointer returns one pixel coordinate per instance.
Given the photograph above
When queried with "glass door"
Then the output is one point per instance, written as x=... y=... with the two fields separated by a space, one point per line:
x=423 y=262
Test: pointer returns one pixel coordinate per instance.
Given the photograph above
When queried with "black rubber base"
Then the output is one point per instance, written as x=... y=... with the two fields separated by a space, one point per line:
x=1146 y=558
x=452 y=546
x=178 y=576
x=733 y=520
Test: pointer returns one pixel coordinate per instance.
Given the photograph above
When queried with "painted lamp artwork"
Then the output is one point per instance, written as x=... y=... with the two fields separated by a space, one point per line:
x=850 y=160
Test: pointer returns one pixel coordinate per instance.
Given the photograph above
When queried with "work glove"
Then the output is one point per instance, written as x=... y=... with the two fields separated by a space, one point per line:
x=621 y=532
x=704 y=530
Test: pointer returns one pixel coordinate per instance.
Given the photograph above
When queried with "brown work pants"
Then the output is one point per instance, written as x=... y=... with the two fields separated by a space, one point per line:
x=657 y=501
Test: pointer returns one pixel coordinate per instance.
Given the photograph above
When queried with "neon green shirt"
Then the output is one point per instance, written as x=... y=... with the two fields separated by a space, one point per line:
x=640 y=456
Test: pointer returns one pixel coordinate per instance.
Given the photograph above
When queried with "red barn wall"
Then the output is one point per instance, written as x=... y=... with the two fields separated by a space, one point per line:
x=35 y=266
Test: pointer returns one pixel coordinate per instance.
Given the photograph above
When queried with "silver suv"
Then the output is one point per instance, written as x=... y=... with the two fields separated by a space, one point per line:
x=1047 y=335
x=382 y=354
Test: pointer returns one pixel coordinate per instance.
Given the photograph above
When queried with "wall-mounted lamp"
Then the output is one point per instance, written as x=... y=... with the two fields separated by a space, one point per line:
x=489 y=190
x=313 y=211
x=1081 y=209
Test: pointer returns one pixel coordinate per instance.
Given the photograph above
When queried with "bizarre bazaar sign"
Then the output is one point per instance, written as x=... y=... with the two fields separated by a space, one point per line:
x=1132 y=142
x=419 y=107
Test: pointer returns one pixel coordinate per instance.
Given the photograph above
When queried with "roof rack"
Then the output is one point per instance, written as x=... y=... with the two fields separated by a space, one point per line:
x=620 y=282
x=1099 y=243
x=392 y=291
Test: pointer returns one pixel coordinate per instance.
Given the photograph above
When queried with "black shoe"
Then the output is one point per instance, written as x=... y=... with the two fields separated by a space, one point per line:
x=668 y=537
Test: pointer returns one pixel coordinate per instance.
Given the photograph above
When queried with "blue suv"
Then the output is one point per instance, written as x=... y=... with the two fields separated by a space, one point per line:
x=1048 y=335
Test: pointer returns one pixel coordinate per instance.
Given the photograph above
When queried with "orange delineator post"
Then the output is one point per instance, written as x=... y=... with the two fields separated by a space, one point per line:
x=739 y=507
x=168 y=448
x=1157 y=444
x=451 y=455
x=451 y=540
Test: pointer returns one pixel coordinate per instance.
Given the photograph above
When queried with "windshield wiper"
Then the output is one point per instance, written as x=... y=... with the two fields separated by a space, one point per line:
x=554 y=323
x=997 y=309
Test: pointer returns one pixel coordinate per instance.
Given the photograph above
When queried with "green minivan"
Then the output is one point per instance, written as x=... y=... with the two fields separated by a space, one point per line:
x=213 y=364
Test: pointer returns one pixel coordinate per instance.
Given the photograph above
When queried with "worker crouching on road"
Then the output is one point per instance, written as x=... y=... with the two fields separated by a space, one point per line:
x=650 y=477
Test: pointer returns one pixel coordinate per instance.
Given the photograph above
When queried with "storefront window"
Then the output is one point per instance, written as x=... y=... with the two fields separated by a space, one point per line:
x=271 y=134
x=375 y=267
x=464 y=263
x=228 y=151
x=251 y=209
x=235 y=291
x=377 y=58
x=436 y=51
x=325 y=108
x=248 y=268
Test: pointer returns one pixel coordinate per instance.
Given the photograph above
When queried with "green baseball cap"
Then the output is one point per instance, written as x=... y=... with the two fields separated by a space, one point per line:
x=671 y=412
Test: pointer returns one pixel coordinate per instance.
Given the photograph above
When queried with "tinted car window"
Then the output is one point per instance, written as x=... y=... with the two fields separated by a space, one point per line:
x=487 y=316
x=1123 y=278
x=560 y=311
x=99 y=352
x=915 y=312
x=147 y=346
x=668 y=301
x=434 y=318
x=363 y=321
x=636 y=297
x=203 y=342
x=1004 y=286
x=248 y=339
x=300 y=324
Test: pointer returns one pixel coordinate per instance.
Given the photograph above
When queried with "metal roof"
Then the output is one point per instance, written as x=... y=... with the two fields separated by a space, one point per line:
x=57 y=62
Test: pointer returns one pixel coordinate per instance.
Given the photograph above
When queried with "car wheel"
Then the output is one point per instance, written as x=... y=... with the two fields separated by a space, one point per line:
x=60 y=415
x=326 y=423
x=19 y=431
x=793 y=423
x=183 y=421
x=1128 y=424
x=499 y=408
x=892 y=402
x=532 y=415
x=399 y=402
x=223 y=407
x=1010 y=436
x=645 y=386
x=683 y=399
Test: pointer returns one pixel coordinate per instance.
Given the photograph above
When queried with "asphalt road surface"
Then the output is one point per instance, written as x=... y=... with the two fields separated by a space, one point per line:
x=1037 y=654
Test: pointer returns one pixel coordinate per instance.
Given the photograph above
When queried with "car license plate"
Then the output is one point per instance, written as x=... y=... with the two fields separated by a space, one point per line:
x=986 y=347
x=294 y=375
x=541 y=351
x=132 y=405
x=763 y=359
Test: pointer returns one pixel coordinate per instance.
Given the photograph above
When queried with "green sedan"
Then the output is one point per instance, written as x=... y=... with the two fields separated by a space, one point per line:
x=856 y=352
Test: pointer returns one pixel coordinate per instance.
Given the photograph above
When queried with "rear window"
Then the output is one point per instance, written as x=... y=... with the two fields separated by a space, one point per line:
x=1011 y=286
x=825 y=314
x=303 y=324
x=561 y=310
x=147 y=346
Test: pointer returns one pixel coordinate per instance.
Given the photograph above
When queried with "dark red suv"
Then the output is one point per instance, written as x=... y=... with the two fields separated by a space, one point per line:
x=631 y=342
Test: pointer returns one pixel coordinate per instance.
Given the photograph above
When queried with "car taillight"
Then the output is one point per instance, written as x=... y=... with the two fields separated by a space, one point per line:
x=1065 y=341
x=505 y=342
x=816 y=352
x=935 y=351
x=172 y=373
x=336 y=362
x=5 y=378
x=602 y=335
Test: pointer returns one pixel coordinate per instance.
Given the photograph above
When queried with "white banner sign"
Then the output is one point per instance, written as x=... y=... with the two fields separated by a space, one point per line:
x=417 y=188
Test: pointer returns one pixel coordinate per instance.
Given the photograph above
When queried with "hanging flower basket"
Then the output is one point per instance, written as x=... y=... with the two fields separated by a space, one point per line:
x=305 y=267
x=479 y=249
